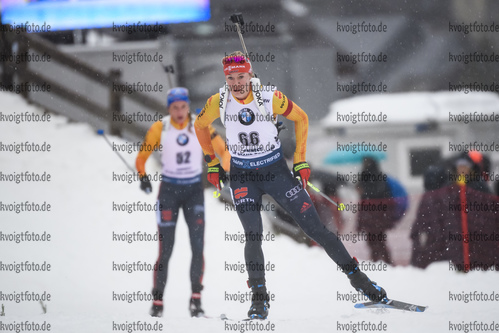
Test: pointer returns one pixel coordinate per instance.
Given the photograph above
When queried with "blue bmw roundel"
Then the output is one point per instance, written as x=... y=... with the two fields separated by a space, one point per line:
x=182 y=139
x=246 y=116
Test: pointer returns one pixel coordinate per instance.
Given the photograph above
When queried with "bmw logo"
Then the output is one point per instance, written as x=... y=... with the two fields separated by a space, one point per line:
x=246 y=116
x=182 y=139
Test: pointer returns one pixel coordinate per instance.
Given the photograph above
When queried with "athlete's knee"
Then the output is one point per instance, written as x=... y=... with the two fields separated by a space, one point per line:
x=166 y=219
x=198 y=225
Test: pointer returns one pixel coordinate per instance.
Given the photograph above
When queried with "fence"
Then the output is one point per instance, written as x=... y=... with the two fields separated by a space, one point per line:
x=24 y=43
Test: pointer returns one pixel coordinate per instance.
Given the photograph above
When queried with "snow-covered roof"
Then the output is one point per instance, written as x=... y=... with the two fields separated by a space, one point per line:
x=409 y=108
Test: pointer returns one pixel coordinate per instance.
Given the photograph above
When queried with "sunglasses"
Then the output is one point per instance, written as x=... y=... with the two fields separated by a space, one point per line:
x=234 y=59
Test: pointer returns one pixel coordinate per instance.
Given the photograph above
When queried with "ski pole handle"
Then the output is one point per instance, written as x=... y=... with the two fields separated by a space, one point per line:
x=169 y=71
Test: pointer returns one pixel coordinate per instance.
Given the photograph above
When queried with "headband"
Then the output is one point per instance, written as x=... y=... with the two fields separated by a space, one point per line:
x=236 y=64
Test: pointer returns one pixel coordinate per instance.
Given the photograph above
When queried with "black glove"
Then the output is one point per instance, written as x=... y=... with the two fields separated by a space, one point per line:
x=145 y=184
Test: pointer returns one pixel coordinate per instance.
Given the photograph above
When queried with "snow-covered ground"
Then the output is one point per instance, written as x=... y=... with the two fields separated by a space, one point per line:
x=81 y=253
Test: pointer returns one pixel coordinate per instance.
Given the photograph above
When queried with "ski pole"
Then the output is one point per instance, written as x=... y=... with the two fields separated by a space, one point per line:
x=340 y=206
x=169 y=71
x=217 y=193
x=101 y=132
x=237 y=19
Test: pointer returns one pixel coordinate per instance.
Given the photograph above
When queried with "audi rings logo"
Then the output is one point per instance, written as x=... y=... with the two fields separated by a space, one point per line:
x=246 y=116
x=182 y=139
x=294 y=191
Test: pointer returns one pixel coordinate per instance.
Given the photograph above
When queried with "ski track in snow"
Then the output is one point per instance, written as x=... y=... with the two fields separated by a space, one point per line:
x=81 y=282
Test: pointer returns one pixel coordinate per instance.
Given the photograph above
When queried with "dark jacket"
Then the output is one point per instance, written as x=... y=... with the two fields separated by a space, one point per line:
x=437 y=233
x=374 y=192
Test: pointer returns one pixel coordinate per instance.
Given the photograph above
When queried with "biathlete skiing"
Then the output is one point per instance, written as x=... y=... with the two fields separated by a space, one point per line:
x=181 y=187
x=248 y=111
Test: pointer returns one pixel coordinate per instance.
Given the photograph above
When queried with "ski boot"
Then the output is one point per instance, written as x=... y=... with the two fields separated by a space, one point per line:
x=157 y=309
x=195 y=305
x=259 y=300
x=362 y=283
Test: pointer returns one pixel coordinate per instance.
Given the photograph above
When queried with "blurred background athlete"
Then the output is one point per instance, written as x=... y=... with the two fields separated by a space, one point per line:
x=181 y=186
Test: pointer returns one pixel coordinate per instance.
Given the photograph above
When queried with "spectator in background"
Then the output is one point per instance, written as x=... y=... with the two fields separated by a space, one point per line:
x=458 y=222
x=374 y=189
x=428 y=243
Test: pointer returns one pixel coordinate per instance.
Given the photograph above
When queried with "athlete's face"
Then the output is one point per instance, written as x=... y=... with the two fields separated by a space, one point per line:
x=239 y=84
x=179 y=111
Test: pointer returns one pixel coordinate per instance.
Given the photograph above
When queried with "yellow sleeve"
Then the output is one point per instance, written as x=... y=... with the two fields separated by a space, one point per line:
x=153 y=136
x=282 y=105
x=208 y=114
x=220 y=148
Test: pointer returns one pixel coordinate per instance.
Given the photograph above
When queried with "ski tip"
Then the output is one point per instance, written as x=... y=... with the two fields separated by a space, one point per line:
x=391 y=304
x=100 y=131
